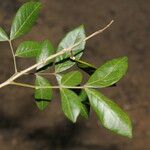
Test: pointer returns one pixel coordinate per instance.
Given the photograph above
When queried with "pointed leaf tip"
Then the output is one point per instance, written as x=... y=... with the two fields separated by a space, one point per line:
x=71 y=104
x=3 y=35
x=109 y=73
x=110 y=114
x=73 y=37
x=24 y=19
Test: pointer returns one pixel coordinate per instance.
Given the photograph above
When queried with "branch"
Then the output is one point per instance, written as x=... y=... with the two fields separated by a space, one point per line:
x=17 y=75
x=14 y=58
x=40 y=73
x=22 y=84
x=53 y=87
x=46 y=87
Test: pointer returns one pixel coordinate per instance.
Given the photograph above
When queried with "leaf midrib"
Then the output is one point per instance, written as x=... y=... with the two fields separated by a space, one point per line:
x=101 y=79
x=60 y=65
x=69 y=78
x=68 y=105
x=106 y=105
x=26 y=51
x=26 y=20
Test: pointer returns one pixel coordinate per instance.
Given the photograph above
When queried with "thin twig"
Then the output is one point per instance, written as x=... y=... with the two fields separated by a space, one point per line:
x=17 y=75
x=99 y=31
x=22 y=84
x=53 y=87
x=60 y=86
x=40 y=73
x=45 y=87
x=45 y=73
x=14 y=58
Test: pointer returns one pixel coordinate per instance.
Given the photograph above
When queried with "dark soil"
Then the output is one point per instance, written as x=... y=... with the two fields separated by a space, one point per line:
x=23 y=127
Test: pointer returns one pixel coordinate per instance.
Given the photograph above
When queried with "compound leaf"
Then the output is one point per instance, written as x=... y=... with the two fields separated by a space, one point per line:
x=72 y=78
x=47 y=49
x=3 y=35
x=110 y=114
x=64 y=62
x=43 y=92
x=24 y=19
x=109 y=73
x=71 y=104
x=28 y=49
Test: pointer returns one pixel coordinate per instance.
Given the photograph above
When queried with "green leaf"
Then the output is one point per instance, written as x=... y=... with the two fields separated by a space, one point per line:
x=72 y=78
x=3 y=35
x=109 y=73
x=85 y=109
x=64 y=62
x=28 y=49
x=71 y=104
x=109 y=114
x=43 y=92
x=24 y=19
x=47 y=49
x=88 y=68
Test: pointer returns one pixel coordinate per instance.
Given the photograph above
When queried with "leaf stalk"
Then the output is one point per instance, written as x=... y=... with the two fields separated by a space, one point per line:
x=13 y=54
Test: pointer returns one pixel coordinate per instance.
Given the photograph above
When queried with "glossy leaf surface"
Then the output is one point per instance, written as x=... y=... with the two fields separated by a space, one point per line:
x=47 y=49
x=72 y=78
x=71 y=104
x=28 y=49
x=110 y=114
x=109 y=73
x=43 y=92
x=63 y=62
x=24 y=19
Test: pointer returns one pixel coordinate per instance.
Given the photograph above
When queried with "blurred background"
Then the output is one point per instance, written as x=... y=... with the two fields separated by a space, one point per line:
x=23 y=126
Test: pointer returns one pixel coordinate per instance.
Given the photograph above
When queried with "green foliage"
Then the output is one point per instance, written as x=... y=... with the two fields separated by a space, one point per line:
x=28 y=49
x=109 y=73
x=3 y=35
x=43 y=92
x=47 y=49
x=85 y=109
x=76 y=97
x=64 y=62
x=72 y=78
x=24 y=19
x=109 y=114
x=71 y=104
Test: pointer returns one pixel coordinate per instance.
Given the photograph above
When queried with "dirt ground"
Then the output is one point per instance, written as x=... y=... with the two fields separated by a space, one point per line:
x=24 y=127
